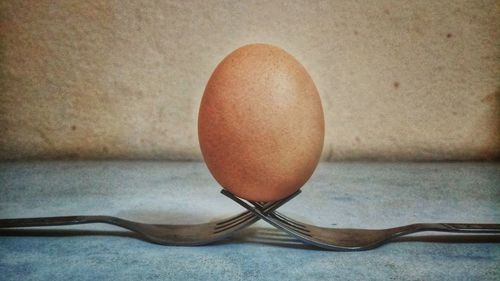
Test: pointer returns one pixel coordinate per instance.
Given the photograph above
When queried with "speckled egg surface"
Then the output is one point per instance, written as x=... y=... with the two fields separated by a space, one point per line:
x=261 y=124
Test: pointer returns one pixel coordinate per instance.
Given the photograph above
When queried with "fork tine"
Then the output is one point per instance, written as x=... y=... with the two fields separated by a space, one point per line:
x=282 y=217
x=269 y=218
x=231 y=219
x=275 y=205
x=245 y=214
x=234 y=221
x=289 y=220
x=290 y=228
x=304 y=231
x=231 y=226
x=241 y=218
x=265 y=207
x=271 y=209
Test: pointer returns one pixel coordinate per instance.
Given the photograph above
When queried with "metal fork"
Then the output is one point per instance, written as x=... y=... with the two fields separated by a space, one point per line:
x=348 y=239
x=165 y=234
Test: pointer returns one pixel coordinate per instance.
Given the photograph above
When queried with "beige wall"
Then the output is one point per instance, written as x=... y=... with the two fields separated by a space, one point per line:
x=123 y=79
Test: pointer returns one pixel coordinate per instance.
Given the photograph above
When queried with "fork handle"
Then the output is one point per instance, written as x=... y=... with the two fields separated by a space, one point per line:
x=458 y=227
x=53 y=221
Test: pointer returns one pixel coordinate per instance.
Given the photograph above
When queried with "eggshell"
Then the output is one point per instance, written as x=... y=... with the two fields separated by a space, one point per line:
x=261 y=124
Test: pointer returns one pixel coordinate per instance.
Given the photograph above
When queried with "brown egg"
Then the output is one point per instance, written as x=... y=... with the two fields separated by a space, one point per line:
x=261 y=124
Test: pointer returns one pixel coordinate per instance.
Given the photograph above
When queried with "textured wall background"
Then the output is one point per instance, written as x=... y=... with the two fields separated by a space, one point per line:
x=123 y=79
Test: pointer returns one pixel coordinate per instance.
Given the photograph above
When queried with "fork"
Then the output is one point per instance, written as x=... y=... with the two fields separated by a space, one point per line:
x=349 y=239
x=164 y=234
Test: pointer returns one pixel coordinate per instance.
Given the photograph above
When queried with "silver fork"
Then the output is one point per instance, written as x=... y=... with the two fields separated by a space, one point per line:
x=165 y=234
x=348 y=239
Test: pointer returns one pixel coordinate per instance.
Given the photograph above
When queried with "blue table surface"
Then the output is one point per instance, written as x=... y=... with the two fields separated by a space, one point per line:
x=367 y=195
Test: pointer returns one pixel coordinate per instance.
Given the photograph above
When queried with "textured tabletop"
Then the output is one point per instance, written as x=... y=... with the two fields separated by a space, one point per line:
x=368 y=195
